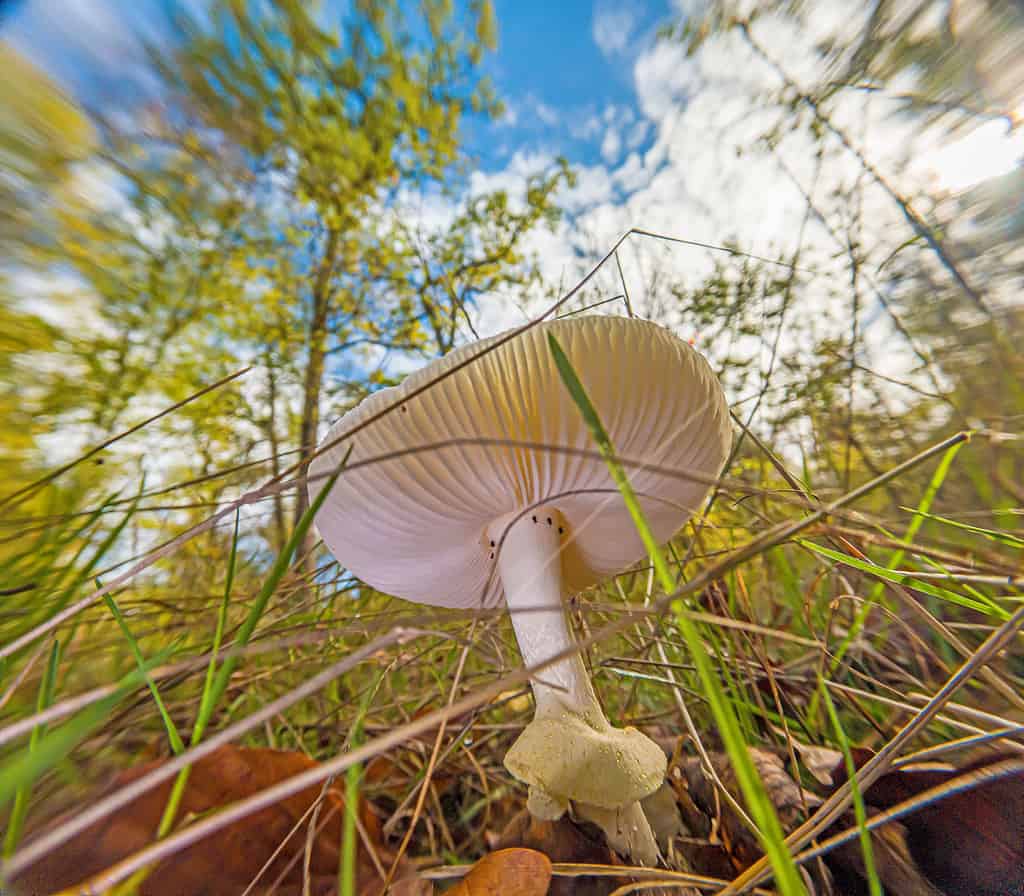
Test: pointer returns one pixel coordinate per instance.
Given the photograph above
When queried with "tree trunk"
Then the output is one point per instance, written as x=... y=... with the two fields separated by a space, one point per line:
x=280 y=527
x=316 y=346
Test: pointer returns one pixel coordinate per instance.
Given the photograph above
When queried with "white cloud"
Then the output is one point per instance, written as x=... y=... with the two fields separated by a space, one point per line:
x=100 y=186
x=544 y=113
x=513 y=176
x=510 y=116
x=690 y=8
x=611 y=146
x=585 y=128
x=107 y=39
x=614 y=26
x=632 y=174
x=637 y=134
x=615 y=113
x=663 y=76
x=593 y=187
x=425 y=212
x=59 y=298
x=90 y=26
x=990 y=150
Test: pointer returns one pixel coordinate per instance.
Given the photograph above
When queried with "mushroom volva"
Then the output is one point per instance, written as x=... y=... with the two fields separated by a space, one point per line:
x=488 y=487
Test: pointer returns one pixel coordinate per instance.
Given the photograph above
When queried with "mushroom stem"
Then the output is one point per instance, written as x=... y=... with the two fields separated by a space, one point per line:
x=627 y=831
x=570 y=752
x=530 y=566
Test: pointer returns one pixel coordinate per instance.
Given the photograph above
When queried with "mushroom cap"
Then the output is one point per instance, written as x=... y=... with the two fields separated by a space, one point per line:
x=410 y=517
x=568 y=759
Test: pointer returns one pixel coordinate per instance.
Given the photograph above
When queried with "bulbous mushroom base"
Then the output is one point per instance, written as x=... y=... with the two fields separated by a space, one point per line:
x=604 y=772
x=627 y=831
x=568 y=759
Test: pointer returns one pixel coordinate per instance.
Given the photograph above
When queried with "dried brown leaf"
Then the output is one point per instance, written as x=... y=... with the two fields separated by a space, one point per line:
x=507 y=872
x=896 y=868
x=236 y=855
x=968 y=841
x=564 y=841
x=786 y=795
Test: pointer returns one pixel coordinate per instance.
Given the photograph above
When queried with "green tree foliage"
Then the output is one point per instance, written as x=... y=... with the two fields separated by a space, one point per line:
x=268 y=209
x=41 y=133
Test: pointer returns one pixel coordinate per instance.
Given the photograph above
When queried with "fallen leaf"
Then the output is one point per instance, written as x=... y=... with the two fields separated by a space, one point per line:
x=821 y=762
x=564 y=841
x=786 y=795
x=897 y=871
x=233 y=857
x=507 y=872
x=967 y=842
x=730 y=846
x=695 y=819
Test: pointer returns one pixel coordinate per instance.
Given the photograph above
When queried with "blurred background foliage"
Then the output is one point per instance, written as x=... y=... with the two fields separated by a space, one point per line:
x=264 y=211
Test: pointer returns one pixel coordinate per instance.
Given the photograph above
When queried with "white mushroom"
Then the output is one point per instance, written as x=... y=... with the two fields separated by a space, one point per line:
x=518 y=505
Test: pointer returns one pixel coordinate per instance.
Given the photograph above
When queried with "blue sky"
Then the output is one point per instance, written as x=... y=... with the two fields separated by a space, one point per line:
x=659 y=139
x=558 y=66
x=571 y=59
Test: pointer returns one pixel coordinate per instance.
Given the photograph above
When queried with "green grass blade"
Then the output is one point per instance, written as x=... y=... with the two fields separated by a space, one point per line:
x=353 y=779
x=79 y=535
x=860 y=813
x=40 y=562
x=270 y=584
x=215 y=687
x=86 y=572
x=347 y=865
x=996 y=535
x=20 y=809
x=25 y=767
x=206 y=703
x=216 y=682
x=172 y=732
x=894 y=562
x=604 y=445
x=760 y=806
x=987 y=606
